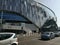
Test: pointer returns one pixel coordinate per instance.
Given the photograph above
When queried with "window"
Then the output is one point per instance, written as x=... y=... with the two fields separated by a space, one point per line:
x=5 y=36
x=15 y=36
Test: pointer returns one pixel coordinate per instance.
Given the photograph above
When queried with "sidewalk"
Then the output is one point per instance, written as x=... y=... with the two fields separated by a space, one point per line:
x=25 y=38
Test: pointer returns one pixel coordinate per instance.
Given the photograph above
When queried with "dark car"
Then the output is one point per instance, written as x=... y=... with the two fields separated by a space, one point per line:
x=57 y=33
x=47 y=35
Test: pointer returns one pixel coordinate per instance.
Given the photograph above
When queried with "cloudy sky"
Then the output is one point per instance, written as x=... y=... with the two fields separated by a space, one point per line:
x=54 y=5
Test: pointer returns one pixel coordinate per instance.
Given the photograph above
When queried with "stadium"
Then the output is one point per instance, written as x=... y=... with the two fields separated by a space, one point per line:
x=26 y=15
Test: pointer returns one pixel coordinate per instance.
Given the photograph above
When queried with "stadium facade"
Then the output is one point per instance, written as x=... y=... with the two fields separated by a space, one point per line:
x=13 y=12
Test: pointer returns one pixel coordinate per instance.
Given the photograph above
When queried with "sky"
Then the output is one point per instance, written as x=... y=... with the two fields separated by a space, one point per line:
x=54 y=5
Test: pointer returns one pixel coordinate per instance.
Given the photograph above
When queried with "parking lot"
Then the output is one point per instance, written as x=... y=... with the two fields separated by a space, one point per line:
x=38 y=41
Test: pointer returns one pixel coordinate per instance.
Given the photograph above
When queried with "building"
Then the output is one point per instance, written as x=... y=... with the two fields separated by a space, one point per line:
x=23 y=13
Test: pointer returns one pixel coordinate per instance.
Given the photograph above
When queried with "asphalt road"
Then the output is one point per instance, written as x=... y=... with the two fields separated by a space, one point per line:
x=36 y=41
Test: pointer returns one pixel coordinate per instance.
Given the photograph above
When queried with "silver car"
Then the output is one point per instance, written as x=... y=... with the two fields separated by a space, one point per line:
x=8 y=39
x=47 y=35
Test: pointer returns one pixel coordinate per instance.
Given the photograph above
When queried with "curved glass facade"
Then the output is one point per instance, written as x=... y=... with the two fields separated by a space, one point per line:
x=37 y=13
x=11 y=16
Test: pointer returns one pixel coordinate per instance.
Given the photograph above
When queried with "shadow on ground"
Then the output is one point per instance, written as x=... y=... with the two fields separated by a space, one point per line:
x=44 y=39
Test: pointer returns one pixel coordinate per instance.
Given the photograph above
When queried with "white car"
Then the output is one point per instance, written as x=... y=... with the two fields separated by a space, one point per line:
x=8 y=39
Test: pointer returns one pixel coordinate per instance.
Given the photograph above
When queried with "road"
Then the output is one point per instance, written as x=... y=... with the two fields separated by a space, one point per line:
x=36 y=41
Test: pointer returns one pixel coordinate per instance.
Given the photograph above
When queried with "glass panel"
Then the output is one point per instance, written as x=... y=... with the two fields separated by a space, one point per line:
x=5 y=36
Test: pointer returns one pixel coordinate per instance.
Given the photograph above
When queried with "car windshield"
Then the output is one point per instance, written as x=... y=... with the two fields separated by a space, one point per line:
x=5 y=36
x=46 y=33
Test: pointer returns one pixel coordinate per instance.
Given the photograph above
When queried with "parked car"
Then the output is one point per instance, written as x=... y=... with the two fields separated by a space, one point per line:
x=57 y=33
x=8 y=39
x=47 y=35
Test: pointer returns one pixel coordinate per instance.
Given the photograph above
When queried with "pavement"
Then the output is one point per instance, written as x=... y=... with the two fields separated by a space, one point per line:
x=26 y=38
x=37 y=41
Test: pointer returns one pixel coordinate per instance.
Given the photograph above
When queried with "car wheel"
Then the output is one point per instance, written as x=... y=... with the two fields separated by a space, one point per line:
x=14 y=44
x=50 y=38
x=59 y=35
